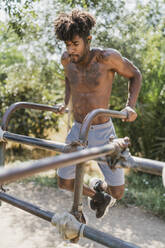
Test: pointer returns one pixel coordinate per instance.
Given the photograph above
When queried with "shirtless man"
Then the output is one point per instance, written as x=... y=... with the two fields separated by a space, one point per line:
x=89 y=74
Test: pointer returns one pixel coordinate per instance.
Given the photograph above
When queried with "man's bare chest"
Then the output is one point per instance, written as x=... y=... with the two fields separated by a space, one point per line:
x=92 y=75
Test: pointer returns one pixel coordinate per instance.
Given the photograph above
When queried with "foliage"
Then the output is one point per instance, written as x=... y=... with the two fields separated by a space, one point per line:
x=146 y=191
x=34 y=86
x=16 y=89
x=139 y=35
x=25 y=78
x=149 y=127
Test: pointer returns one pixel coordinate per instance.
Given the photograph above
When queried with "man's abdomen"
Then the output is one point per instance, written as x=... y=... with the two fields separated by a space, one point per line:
x=85 y=103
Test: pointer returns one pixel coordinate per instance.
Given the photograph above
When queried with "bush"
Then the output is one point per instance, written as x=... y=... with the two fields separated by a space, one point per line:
x=28 y=73
x=38 y=85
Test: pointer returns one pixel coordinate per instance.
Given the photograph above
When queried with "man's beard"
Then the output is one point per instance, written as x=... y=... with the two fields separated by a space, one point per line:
x=77 y=58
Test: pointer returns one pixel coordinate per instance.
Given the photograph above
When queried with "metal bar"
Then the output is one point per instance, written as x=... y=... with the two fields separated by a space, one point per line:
x=13 y=174
x=143 y=164
x=163 y=176
x=88 y=232
x=78 y=187
x=41 y=143
x=26 y=105
x=90 y=116
x=2 y=153
x=30 y=208
x=106 y=239
x=11 y=109
x=148 y=165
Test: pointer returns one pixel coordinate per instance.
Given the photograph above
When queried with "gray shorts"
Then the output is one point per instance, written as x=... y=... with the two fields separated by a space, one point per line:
x=98 y=135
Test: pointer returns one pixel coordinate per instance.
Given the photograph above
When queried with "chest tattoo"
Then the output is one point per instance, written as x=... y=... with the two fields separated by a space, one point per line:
x=93 y=74
x=89 y=76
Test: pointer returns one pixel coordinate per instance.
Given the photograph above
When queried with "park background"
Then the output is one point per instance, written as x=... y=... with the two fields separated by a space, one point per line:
x=30 y=70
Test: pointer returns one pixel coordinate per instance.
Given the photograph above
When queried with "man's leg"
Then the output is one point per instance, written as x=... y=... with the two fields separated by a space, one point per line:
x=110 y=190
x=66 y=175
x=99 y=200
x=116 y=192
x=68 y=184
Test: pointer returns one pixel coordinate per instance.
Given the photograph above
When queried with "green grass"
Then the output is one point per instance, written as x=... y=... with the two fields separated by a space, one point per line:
x=146 y=191
x=45 y=181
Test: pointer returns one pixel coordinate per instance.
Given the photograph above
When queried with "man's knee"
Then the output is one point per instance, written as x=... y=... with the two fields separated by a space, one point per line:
x=116 y=191
x=67 y=184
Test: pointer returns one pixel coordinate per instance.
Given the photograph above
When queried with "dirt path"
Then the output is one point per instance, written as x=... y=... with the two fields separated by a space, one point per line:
x=19 y=229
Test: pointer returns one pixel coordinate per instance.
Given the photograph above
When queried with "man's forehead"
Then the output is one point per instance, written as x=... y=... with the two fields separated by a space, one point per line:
x=76 y=38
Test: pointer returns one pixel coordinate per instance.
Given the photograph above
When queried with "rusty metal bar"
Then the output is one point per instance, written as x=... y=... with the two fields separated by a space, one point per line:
x=88 y=232
x=78 y=187
x=163 y=176
x=147 y=165
x=142 y=164
x=2 y=153
x=24 y=105
x=7 y=115
x=41 y=143
x=12 y=174
x=90 y=117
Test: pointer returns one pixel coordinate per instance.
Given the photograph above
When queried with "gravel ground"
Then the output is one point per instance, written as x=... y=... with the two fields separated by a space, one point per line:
x=19 y=229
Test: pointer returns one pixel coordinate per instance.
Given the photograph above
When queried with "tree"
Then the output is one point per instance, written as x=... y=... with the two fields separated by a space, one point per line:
x=138 y=35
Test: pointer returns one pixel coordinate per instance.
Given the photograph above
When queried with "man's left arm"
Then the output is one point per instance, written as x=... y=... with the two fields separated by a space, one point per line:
x=126 y=68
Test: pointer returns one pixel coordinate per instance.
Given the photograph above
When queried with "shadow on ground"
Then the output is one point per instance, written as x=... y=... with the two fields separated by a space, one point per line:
x=19 y=229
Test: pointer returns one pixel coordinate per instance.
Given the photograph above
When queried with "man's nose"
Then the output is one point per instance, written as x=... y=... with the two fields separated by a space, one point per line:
x=71 y=50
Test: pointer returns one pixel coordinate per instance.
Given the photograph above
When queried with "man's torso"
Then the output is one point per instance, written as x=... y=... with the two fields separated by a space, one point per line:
x=90 y=85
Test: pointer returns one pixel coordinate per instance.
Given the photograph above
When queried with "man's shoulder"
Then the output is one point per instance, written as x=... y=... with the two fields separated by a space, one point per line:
x=105 y=55
x=65 y=59
x=110 y=54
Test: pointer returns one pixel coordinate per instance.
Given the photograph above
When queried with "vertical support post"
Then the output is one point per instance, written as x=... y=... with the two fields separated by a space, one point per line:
x=78 y=186
x=2 y=153
x=78 y=191
x=163 y=176
x=2 y=157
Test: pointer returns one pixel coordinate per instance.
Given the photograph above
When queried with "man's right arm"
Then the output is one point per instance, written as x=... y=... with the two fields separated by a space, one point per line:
x=125 y=68
x=64 y=62
x=67 y=92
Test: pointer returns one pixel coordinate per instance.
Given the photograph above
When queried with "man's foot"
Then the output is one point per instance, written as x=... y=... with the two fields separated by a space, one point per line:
x=101 y=201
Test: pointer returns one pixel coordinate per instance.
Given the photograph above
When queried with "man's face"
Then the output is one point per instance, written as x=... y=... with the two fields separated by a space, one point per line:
x=77 y=49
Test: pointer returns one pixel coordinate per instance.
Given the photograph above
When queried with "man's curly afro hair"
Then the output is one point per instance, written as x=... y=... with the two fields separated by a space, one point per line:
x=76 y=23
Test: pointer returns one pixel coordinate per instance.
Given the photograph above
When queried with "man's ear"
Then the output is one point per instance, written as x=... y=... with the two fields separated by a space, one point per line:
x=89 y=39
